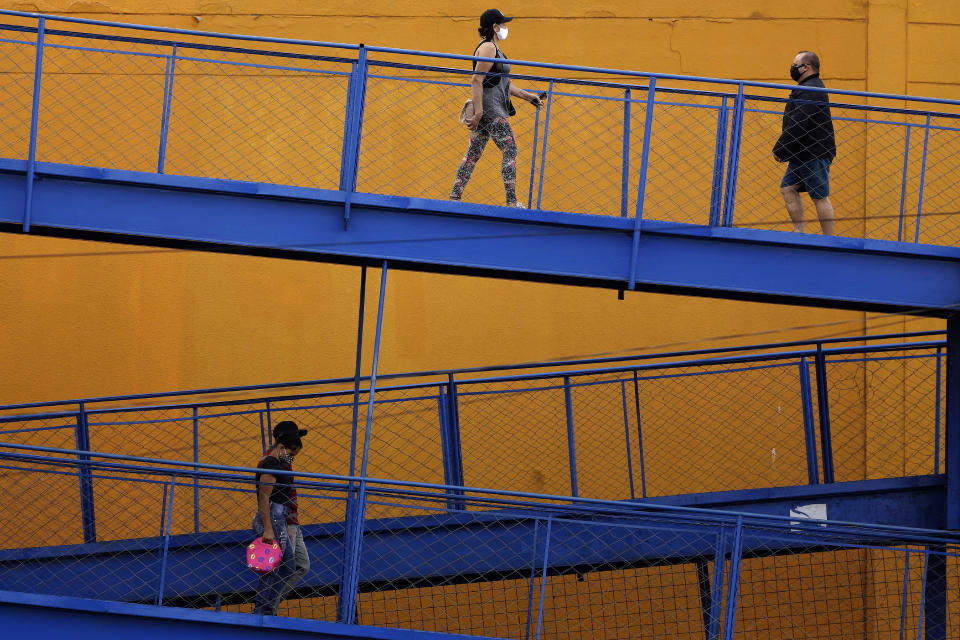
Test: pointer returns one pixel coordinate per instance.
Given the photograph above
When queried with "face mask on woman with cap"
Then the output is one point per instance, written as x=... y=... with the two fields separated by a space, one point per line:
x=502 y=33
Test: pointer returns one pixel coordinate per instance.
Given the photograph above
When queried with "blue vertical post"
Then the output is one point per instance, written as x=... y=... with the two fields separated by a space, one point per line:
x=87 y=510
x=809 y=435
x=625 y=162
x=347 y=604
x=703 y=582
x=165 y=112
x=936 y=411
x=456 y=447
x=720 y=147
x=267 y=433
x=906 y=589
x=716 y=598
x=642 y=186
x=952 y=426
x=933 y=599
x=34 y=124
x=626 y=434
x=730 y=617
x=350 y=164
x=450 y=444
x=263 y=433
x=636 y=399
x=350 y=512
x=196 y=470
x=733 y=164
x=533 y=157
x=571 y=442
x=533 y=577
x=166 y=544
x=903 y=183
x=543 y=575
x=923 y=177
x=546 y=133
x=823 y=412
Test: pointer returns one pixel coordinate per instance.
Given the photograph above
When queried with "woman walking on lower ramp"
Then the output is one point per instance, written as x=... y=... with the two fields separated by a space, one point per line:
x=491 y=90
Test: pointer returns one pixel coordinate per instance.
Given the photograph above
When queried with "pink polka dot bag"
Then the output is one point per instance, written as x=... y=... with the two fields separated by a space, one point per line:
x=262 y=557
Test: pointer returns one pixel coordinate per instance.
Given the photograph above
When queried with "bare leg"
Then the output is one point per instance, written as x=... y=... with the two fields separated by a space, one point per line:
x=791 y=197
x=825 y=213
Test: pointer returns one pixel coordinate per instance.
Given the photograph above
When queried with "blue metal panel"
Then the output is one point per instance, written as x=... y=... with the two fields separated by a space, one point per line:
x=38 y=616
x=433 y=235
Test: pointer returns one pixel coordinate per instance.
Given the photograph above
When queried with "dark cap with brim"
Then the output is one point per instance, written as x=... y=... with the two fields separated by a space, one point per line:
x=287 y=427
x=491 y=17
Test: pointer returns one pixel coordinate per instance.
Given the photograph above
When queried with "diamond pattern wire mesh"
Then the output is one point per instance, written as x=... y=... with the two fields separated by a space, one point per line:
x=17 y=54
x=883 y=415
x=258 y=118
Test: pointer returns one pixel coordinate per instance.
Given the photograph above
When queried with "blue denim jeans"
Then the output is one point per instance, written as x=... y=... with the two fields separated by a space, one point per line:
x=270 y=584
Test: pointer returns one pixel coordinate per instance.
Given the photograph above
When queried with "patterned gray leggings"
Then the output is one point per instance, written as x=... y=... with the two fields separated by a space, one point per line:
x=499 y=130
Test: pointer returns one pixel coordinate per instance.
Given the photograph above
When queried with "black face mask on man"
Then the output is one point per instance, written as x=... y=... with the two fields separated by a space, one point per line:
x=795 y=72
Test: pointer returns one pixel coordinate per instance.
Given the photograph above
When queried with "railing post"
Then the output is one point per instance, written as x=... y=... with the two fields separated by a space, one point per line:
x=720 y=146
x=196 y=470
x=450 y=441
x=733 y=165
x=937 y=409
x=546 y=133
x=823 y=412
x=906 y=588
x=730 y=617
x=543 y=575
x=571 y=443
x=625 y=162
x=952 y=426
x=533 y=577
x=166 y=544
x=716 y=597
x=165 y=112
x=809 y=435
x=642 y=186
x=266 y=434
x=263 y=432
x=933 y=598
x=533 y=157
x=349 y=166
x=626 y=434
x=923 y=177
x=903 y=183
x=353 y=531
x=87 y=510
x=636 y=399
x=34 y=124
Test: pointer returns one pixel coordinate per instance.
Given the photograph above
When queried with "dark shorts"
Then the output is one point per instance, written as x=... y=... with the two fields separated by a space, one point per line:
x=813 y=176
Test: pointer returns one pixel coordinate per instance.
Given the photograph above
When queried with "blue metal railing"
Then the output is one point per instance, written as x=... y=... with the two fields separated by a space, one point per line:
x=721 y=180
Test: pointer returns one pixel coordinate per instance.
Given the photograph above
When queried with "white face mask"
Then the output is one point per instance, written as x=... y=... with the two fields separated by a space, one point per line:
x=502 y=33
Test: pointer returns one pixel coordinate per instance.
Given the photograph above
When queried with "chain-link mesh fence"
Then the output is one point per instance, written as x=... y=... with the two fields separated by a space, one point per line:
x=507 y=565
x=386 y=123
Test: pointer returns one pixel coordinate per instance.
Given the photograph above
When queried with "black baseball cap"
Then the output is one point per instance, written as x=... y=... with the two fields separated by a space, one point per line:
x=491 y=17
x=287 y=428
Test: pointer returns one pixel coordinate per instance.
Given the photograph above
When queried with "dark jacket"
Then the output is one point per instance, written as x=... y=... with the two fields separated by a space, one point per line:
x=807 y=125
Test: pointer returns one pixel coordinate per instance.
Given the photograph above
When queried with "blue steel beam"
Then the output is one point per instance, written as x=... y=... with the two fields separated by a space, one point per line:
x=40 y=616
x=444 y=549
x=439 y=236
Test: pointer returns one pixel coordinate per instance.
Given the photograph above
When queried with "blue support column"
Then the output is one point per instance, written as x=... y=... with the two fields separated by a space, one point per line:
x=165 y=112
x=716 y=598
x=720 y=147
x=546 y=133
x=642 y=186
x=353 y=535
x=730 y=617
x=903 y=183
x=626 y=434
x=733 y=165
x=923 y=177
x=952 y=427
x=166 y=543
x=823 y=412
x=809 y=435
x=34 y=125
x=350 y=163
x=87 y=510
x=196 y=479
x=636 y=399
x=933 y=601
x=937 y=409
x=533 y=157
x=571 y=441
x=454 y=455
x=703 y=582
x=625 y=162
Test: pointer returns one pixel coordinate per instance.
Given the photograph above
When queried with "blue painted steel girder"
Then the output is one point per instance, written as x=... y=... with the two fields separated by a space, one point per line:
x=439 y=236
